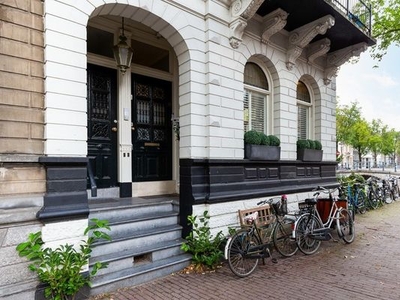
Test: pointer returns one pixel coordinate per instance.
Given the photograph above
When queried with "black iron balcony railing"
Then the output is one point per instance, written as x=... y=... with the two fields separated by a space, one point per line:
x=357 y=11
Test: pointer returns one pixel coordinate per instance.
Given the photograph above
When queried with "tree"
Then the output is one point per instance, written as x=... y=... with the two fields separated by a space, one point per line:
x=346 y=118
x=375 y=142
x=385 y=25
x=389 y=142
x=359 y=137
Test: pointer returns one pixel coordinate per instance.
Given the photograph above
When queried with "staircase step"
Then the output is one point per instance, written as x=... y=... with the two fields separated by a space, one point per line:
x=138 y=240
x=122 y=259
x=144 y=272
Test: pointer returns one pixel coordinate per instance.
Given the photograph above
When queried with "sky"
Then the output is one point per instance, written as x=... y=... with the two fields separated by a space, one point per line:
x=377 y=90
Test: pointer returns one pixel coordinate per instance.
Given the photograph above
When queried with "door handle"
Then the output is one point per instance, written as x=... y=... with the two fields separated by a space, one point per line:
x=133 y=128
x=114 y=129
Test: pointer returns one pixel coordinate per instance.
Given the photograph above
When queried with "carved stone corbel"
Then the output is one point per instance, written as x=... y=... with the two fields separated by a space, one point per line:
x=273 y=23
x=241 y=12
x=318 y=49
x=302 y=36
x=339 y=57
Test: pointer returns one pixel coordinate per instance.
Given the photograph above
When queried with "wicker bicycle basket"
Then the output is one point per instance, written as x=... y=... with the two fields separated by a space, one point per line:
x=262 y=215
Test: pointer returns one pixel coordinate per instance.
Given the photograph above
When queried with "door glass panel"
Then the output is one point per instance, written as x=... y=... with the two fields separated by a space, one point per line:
x=150 y=56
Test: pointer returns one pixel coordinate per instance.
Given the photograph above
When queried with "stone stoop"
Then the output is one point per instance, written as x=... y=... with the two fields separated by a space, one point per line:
x=146 y=241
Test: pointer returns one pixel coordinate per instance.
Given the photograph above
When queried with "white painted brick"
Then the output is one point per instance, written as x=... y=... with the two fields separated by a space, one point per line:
x=64 y=230
x=69 y=12
x=65 y=41
x=66 y=148
x=66 y=87
x=65 y=57
x=57 y=116
x=66 y=102
x=56 y=131
x=68 y=27
x=67 y=72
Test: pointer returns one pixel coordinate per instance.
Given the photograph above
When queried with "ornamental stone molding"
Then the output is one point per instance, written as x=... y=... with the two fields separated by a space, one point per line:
x=273 y=23
x=317 y=49
x=241 y=12
x=302 y=36
x=335 y=59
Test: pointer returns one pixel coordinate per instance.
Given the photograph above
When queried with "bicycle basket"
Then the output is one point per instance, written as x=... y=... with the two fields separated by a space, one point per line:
x=305 y=207
x=262 y=216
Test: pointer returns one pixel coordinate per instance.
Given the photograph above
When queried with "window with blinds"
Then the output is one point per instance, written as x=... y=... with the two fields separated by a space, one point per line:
x=303 y=110
x=255 y=98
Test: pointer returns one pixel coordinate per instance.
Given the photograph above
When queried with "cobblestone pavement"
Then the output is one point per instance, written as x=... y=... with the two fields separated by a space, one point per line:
x=369 y=268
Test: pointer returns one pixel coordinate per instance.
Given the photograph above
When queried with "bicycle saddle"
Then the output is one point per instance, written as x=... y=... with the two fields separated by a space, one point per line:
x=311 y=201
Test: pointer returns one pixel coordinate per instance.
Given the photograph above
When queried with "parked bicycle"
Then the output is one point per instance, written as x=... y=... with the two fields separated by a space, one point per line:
x=356 y=198
x=374 y=193
x=254 y=242
x=394 y=187
x=310 y=230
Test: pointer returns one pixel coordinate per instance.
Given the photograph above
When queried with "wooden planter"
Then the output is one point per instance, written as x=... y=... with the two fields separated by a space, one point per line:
x=309 y=155
x=262 y=152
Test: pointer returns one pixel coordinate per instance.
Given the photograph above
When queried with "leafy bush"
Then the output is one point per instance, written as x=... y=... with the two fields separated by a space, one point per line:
x=265 y=140
x=61 y=268
x=312 y=144
x=309 y=144
x=252 y=137
x=274 y=140
x=205 y=248
x=303 y=144
x=318 y=145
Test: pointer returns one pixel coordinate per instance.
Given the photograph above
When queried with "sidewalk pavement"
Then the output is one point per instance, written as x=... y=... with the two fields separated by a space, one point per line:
x=367 y=269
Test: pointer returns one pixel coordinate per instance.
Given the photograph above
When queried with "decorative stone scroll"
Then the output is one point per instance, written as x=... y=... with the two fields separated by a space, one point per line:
x=339 y=57
x=318 y=49
x=302 y=36
x=273 y=23
x=241 y=12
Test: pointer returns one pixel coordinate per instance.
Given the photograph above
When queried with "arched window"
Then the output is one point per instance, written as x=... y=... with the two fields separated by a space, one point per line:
x=304 y=107
x=256 y=94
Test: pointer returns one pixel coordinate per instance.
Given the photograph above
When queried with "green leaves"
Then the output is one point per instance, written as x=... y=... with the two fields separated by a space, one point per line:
x=204 y=247
x=61 y=268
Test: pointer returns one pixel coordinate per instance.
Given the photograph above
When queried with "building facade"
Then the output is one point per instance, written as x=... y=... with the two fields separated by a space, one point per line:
x=74 y=127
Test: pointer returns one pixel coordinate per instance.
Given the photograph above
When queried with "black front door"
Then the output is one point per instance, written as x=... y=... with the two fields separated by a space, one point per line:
x=151 y=134
x=102 y=124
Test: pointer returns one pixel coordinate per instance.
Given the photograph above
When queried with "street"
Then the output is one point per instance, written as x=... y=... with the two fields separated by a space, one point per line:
x=369 y=268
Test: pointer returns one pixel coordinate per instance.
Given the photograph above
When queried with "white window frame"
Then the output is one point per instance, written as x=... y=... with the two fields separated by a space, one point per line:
x=310 y=112
x=268 y=100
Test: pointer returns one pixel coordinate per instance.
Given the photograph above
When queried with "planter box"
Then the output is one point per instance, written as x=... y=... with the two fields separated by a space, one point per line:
x=262 y=152
x=309 y=155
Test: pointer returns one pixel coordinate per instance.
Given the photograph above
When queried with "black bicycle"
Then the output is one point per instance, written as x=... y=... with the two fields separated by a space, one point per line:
x=254 y=241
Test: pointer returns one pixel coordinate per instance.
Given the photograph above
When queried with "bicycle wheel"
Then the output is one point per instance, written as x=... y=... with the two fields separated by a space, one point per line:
x=373 y=200
x=282 y=237
x=361 y=207
x=387 y=196
x=345 y=226
x=238 y=262
x=304 y=228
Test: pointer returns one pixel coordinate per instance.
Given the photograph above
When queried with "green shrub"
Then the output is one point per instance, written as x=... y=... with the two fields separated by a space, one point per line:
x=303 y=144
x=274 y=140
x=312 y=144
x=205 y=248
x=265 y=140
x=252 y=137
x=61 y=268
x=318 y=145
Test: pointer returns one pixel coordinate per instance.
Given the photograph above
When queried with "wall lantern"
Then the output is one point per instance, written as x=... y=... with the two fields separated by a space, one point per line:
x=123 y=53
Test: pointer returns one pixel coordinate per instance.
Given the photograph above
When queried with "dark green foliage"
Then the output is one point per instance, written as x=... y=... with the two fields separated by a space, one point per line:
x=205 y=248
x=303 y=144
x=318 y=145
x=252 y=137
x=309 y=144
x=274 y=140
x=61 y=268
x=312 y=144
x=265 y=140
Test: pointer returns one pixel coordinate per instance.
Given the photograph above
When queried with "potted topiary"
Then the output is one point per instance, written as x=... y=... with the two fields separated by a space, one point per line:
x=309 y=150
x=259 y=146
